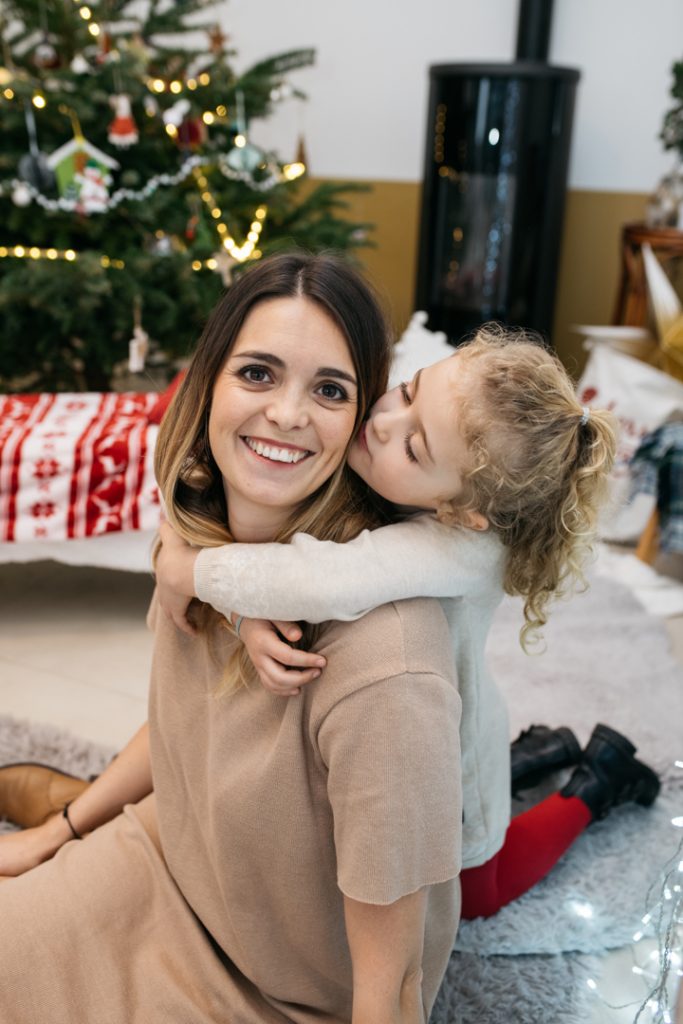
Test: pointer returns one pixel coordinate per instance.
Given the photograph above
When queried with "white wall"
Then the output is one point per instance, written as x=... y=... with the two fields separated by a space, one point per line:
x=365 y=117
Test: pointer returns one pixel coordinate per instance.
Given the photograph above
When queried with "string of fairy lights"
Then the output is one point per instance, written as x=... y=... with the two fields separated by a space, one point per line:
x=660 y=968
x=196 y=165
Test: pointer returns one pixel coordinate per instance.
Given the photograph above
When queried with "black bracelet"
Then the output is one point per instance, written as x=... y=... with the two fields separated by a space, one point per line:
x=65 y=815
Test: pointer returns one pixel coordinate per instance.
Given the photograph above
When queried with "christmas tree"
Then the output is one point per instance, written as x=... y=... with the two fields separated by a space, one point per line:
x=130 y=191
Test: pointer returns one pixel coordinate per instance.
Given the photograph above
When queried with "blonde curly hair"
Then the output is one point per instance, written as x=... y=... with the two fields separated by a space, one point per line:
x=538 y=468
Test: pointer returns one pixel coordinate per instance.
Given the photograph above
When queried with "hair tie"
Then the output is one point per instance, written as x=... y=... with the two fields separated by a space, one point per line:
x=585 y=417
x=65 y=815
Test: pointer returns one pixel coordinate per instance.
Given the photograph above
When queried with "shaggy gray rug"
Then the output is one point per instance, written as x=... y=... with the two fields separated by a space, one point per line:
x=606 y=660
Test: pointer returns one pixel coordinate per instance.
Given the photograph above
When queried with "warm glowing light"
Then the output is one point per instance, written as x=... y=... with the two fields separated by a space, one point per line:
x=221 y=110
x=158 y=85
x=211 y=264
x=176 y=86
x=5 y=76
x=105 y=261
x=215 y=213
x=34 y=253
x=204 y=78
x=172 y=131
x=292 y=171
x=93 y=29
x=85 y=13
x=207 y=117
x=196 y=264
x=39 y=101
x=221 y=229
x=3 y=250
x=192 y=83
x=207 y=197
x=8 y=94
x=240 y=141
x=201 y=181
x=70 y=255
x=19 y=250
x=260 y=213
x=253 y=236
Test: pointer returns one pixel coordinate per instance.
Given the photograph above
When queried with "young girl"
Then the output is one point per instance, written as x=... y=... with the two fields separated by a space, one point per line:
x=494 y=445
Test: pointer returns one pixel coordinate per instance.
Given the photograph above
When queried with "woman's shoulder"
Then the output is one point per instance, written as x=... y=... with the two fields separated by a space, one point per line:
x=397 y=639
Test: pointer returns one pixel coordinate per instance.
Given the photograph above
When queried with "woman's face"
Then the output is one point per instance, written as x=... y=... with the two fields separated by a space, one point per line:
x=282 y=413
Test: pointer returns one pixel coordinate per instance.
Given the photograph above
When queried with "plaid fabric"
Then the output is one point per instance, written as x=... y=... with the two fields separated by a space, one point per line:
x=657 y=468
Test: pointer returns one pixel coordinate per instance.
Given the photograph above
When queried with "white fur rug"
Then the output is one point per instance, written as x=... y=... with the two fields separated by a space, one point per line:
x=607 y=660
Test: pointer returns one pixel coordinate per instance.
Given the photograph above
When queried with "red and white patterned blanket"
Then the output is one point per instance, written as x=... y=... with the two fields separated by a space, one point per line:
x=76 y=465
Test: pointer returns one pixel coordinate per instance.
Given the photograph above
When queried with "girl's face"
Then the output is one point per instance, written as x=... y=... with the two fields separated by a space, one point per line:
x=412 y=449
x=282 y=413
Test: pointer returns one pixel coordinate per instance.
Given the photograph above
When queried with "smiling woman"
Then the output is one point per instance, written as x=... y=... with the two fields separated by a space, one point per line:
x=279 y=422
x=290 y=361
x=297 y=860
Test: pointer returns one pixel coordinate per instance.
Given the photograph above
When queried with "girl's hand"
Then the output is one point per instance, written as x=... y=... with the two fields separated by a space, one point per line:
x=174 y=572
x=282 y=669
x=21 y=851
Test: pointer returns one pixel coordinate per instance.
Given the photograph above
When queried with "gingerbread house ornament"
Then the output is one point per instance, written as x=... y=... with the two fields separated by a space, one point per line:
x=83 y=174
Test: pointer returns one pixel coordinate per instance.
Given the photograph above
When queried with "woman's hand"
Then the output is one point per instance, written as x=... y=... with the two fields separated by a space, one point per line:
x=21 y=851
x=282 y=669
x=174 y=571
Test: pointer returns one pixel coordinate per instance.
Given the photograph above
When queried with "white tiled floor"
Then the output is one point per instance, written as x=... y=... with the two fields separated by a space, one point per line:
x=74 y=649
x=75 y=652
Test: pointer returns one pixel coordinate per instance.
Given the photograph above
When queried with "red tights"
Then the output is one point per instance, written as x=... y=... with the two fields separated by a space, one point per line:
x=534 y=842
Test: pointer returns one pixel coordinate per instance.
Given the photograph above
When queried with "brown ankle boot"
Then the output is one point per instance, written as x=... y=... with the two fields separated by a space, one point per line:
x=30 y=793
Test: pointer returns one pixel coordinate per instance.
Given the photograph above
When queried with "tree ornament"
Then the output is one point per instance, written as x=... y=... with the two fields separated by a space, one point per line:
x=243 y=156
x=192 y=133
x=151 y=106
x=138 y=49
x=176 y=114
x=105 y=53
x=138 y=346
x=93 y=188
x=122 y=131
x=21 y=195
x=80 y=66
x=33 y=166
x=82 y=171
x=301 y=155
x=225 y=264
x=217 y=40
x=45 y=55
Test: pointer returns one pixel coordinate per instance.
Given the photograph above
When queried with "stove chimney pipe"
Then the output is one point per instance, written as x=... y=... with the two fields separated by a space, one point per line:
x=533 y=30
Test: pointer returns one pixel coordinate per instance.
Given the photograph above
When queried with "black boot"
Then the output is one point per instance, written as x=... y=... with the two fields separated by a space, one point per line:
x=538 y=751
x=608 y=774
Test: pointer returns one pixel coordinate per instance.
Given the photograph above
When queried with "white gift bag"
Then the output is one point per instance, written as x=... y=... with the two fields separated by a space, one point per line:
x=641 y=398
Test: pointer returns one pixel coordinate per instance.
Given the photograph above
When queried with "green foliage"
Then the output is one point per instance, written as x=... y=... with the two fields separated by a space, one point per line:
x=66 y=325
x=672 y=126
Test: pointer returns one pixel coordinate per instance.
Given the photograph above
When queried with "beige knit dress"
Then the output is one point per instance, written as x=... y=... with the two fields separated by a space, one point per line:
x=219 y=898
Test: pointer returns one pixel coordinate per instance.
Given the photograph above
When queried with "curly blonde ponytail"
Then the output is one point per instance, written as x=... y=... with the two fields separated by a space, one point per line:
x=539 y=467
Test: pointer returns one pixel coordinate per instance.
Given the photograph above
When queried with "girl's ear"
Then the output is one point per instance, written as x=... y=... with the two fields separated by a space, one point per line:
x=476 y=521
x=472 y=520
